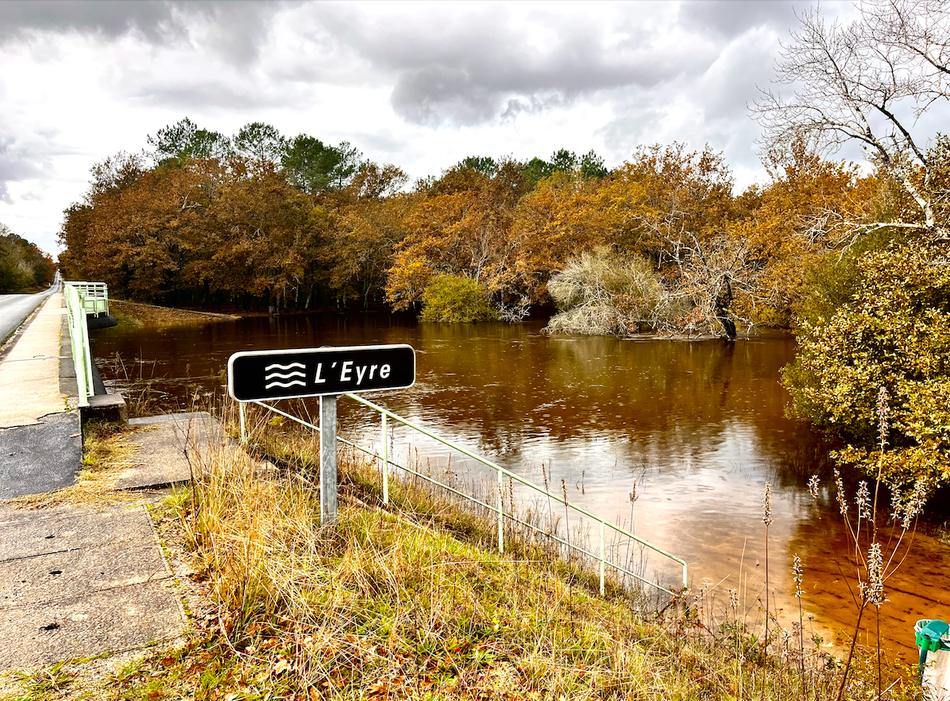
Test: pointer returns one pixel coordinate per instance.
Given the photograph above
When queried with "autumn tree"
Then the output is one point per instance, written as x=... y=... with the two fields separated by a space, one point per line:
x=461 y=225
x=870 y=82
x=208 y=227
x=677 y=208
x=22 y=265
x=366 y=225
x=136 y=238
x=108 y=178
x=560 y=218
x=792 y=223
x=263 y=231
x=116 y=173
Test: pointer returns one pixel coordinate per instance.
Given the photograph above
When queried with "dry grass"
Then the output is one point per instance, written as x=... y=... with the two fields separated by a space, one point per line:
x=408 y=604
x=107 y=449
x=382 y=605
x=138 y=315
x=388 y=606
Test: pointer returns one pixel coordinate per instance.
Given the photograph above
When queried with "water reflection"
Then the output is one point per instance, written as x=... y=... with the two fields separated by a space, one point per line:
x=700 y=426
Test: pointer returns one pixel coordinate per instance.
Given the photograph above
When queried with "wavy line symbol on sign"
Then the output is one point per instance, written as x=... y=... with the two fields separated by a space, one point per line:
x=294 y=375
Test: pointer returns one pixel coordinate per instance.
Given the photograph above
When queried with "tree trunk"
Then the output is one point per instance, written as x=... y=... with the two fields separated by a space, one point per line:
x=723 y=302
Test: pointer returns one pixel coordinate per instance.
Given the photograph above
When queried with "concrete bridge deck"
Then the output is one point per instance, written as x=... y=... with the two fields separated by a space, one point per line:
x=40 y=439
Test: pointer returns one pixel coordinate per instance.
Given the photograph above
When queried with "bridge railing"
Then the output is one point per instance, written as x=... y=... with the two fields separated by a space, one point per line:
x=600 y=557
x=79 y=341
x=94 y=295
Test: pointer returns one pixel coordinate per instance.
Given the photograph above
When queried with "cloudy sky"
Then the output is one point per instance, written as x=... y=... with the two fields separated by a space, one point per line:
x=419 y=85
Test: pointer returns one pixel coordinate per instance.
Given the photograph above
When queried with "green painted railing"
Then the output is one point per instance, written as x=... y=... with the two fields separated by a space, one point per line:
x=79 y=340
x=82 y=299
x=94 y=295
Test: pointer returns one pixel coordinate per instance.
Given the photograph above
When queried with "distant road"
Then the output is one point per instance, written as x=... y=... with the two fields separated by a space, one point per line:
x=15 y=308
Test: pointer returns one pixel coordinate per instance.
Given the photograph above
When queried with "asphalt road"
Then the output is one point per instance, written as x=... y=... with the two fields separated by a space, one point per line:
x=15 y=308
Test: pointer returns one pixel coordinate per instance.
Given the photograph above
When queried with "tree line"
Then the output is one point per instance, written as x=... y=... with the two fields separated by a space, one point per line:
x=258 y=219
x=23 y=266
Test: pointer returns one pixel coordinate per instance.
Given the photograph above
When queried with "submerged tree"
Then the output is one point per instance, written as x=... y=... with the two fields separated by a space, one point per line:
x=676 y=206
x=603 y=293
x=455 y=299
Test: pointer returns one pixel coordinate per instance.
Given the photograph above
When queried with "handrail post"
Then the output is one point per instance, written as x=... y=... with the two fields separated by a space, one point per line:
x=87 y=351
x=385 y=462
x=603 y=556
x=501 y=513
x=79 y=342
x=243 y=424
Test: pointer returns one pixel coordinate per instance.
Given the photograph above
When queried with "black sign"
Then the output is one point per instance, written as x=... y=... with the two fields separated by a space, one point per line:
x=312 y=372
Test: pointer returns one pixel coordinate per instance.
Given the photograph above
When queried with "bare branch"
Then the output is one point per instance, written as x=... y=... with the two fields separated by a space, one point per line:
x=867 y=82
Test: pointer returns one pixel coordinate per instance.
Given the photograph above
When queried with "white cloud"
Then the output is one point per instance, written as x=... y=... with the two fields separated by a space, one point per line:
x=421 y=85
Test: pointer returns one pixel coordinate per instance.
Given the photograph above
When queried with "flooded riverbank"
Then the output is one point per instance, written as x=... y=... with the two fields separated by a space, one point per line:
x=700 y=427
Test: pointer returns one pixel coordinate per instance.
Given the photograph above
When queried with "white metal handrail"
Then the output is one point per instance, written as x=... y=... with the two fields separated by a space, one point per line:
x=79 y=342
x=501 y=472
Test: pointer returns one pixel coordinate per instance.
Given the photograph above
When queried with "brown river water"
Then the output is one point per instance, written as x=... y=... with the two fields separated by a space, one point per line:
x=699 y=427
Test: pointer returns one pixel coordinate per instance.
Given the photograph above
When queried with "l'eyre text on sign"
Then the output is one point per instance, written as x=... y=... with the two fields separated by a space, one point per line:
x=349 y=371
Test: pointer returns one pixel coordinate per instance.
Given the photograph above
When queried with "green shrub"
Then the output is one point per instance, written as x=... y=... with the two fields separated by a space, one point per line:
x=456 y=299
x=892 y=333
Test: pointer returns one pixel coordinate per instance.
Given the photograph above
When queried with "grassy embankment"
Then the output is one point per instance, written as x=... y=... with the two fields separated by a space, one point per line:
x=407 y=602
x=138 y=315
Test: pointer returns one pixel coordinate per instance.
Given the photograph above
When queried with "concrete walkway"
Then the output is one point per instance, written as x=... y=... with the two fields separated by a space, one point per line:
x=167 y=454
x=40 y=441
x=80 y=581
x=77 y=582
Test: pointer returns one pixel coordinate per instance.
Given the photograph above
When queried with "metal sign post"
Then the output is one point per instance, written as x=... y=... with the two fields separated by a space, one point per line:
x=255 y=376
x=328 y=478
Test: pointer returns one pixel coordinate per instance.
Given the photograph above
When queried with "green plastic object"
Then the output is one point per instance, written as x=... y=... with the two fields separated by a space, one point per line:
x=932 y=635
